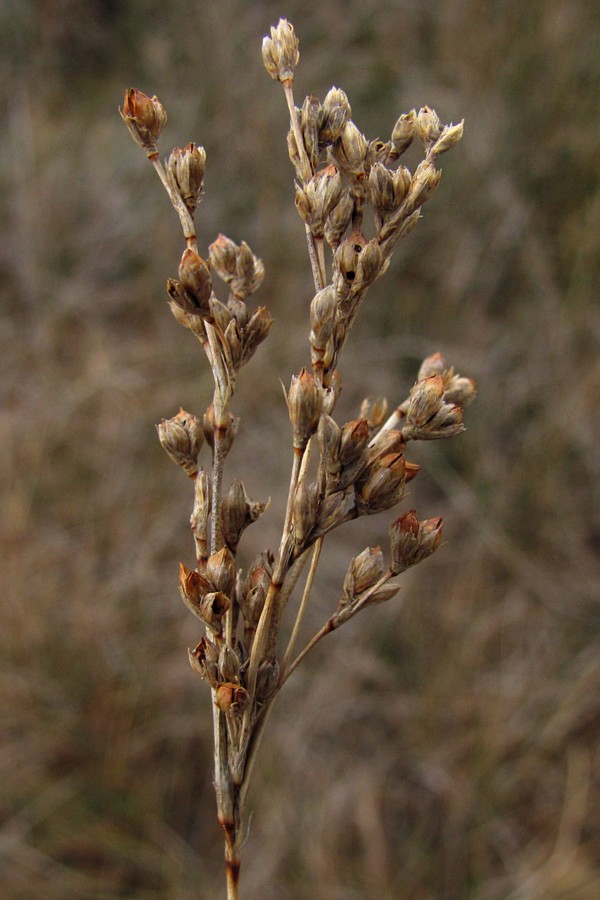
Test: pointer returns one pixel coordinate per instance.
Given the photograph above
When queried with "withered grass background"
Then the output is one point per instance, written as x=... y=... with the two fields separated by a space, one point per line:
x=444 y=746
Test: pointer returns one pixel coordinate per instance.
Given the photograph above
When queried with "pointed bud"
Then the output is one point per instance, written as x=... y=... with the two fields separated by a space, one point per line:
x=329 y=443
x=424 y=182
x=369 y=264
x=221 y=571
x=253 y=593
x=255 y=332
x=304 y=511
x=182 y=438
x=412 y=541
x=187 y=168
x=350 y=150
x=315 y=201
x=229 y=664
x=336 y=111
x=309 y=125
x=381 y=188
x=425 y=401
x=432 y=365
x=194 y=275
x=323 y=308
x=339 y=218
x=449 y=137
x=238 y=511
x=364 y=571
x=408 y=224
x=332 y=512
x=402 y=180
x=382 y=485
x=404 y=132
x=145 y=118
x=305 y=402
x=353 y=441
x=460 y=390
x=389 y=441
x=267 y=679
x=429 y=127
x=182 y=304
x=280 y=52
x=223 y=257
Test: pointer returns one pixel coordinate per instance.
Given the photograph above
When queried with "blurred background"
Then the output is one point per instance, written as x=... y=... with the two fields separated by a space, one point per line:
x=444 y=745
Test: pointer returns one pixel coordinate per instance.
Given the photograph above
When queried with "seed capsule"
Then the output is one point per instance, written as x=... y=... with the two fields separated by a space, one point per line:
x=305 y=402
x=280 y=52
x=145 y=118
x=182 y=438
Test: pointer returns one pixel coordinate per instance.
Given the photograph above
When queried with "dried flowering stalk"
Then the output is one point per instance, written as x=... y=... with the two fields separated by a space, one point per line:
x=362 y=468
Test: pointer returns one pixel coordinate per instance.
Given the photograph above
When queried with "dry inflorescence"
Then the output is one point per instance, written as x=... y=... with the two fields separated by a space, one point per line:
x=338 y=472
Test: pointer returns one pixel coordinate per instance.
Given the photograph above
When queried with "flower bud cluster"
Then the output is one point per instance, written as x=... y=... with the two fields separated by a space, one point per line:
x=321 y=126
x=193 y=302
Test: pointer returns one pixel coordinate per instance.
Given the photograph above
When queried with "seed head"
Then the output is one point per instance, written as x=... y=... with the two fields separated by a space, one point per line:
x=412 y=541
x=194 y=275
x=364 y=571
x=339 y=218
x=353 y=441
x=449 y=137
x=221 y=571
x=460 y=390
x=280 y=52
x=196 y=593
x=182 y=438
x=232 y=699
x=305 y=401
x=429 y=127
x=404 y=132
x=238 y=511
x=145 y=118
x=204 y=660
x=382 y=484
x=335 y=112
x=187 y=168
x=425 y=400
x=350 y=150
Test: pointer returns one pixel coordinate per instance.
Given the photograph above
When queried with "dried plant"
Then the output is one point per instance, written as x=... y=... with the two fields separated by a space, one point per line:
x=338 y=472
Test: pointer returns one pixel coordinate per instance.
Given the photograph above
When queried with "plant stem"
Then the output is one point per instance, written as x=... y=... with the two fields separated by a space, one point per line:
x=185 y=217
x=302 y=608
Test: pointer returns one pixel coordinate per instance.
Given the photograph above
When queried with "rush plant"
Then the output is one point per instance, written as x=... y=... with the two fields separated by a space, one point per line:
x=345 y=185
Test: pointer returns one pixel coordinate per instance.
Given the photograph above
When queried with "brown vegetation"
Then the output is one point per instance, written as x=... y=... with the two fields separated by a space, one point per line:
x=447 y=746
